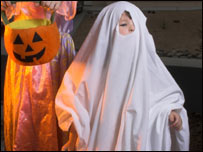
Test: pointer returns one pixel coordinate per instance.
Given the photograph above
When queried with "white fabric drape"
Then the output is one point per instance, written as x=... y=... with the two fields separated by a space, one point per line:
x=118 y=93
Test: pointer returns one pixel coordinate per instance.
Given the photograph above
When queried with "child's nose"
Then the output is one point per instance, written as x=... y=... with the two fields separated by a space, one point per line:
x=131 y=28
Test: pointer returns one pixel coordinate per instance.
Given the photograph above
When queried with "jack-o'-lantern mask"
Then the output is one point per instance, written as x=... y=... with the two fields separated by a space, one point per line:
x=32 y=41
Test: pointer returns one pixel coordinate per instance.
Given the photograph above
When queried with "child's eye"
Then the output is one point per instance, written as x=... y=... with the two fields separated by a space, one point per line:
x=123 y=24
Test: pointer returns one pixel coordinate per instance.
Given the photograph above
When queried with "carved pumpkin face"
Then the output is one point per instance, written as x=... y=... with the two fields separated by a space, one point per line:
x=31 y=46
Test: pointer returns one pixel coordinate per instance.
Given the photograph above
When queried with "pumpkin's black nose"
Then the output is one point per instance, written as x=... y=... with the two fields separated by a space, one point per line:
x=29 y=49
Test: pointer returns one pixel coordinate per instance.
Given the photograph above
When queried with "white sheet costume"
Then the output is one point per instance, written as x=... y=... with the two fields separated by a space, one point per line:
x=118 y=93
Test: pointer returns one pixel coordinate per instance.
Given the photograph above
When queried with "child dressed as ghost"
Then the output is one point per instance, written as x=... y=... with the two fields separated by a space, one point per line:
x=117 y=94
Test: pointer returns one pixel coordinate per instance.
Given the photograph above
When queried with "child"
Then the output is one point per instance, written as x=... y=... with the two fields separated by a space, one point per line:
x=117 y=93
x=29 y=116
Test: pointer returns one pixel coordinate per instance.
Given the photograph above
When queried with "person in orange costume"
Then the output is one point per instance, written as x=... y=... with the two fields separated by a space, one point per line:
x=30 y=122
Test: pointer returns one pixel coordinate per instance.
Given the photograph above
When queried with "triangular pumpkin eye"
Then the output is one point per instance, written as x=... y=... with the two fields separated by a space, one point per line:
x=18 y=40
x=36 y=38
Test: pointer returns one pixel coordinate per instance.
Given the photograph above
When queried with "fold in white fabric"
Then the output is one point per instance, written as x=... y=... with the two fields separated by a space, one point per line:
x=118 y=93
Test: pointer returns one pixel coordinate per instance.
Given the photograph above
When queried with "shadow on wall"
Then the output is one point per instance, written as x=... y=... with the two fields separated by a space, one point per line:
x=190 y=81
x=3 y=67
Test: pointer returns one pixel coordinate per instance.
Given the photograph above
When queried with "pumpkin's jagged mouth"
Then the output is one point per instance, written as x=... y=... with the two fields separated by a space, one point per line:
x=30 y=58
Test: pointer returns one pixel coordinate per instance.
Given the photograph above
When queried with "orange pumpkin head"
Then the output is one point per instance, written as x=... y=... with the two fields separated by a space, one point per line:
x=32 y=42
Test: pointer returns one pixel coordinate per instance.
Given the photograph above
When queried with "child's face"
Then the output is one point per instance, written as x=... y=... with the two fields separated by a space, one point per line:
x=126 y=25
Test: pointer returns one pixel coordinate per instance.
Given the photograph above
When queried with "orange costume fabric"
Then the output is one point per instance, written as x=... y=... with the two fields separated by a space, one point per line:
x=30 y=122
